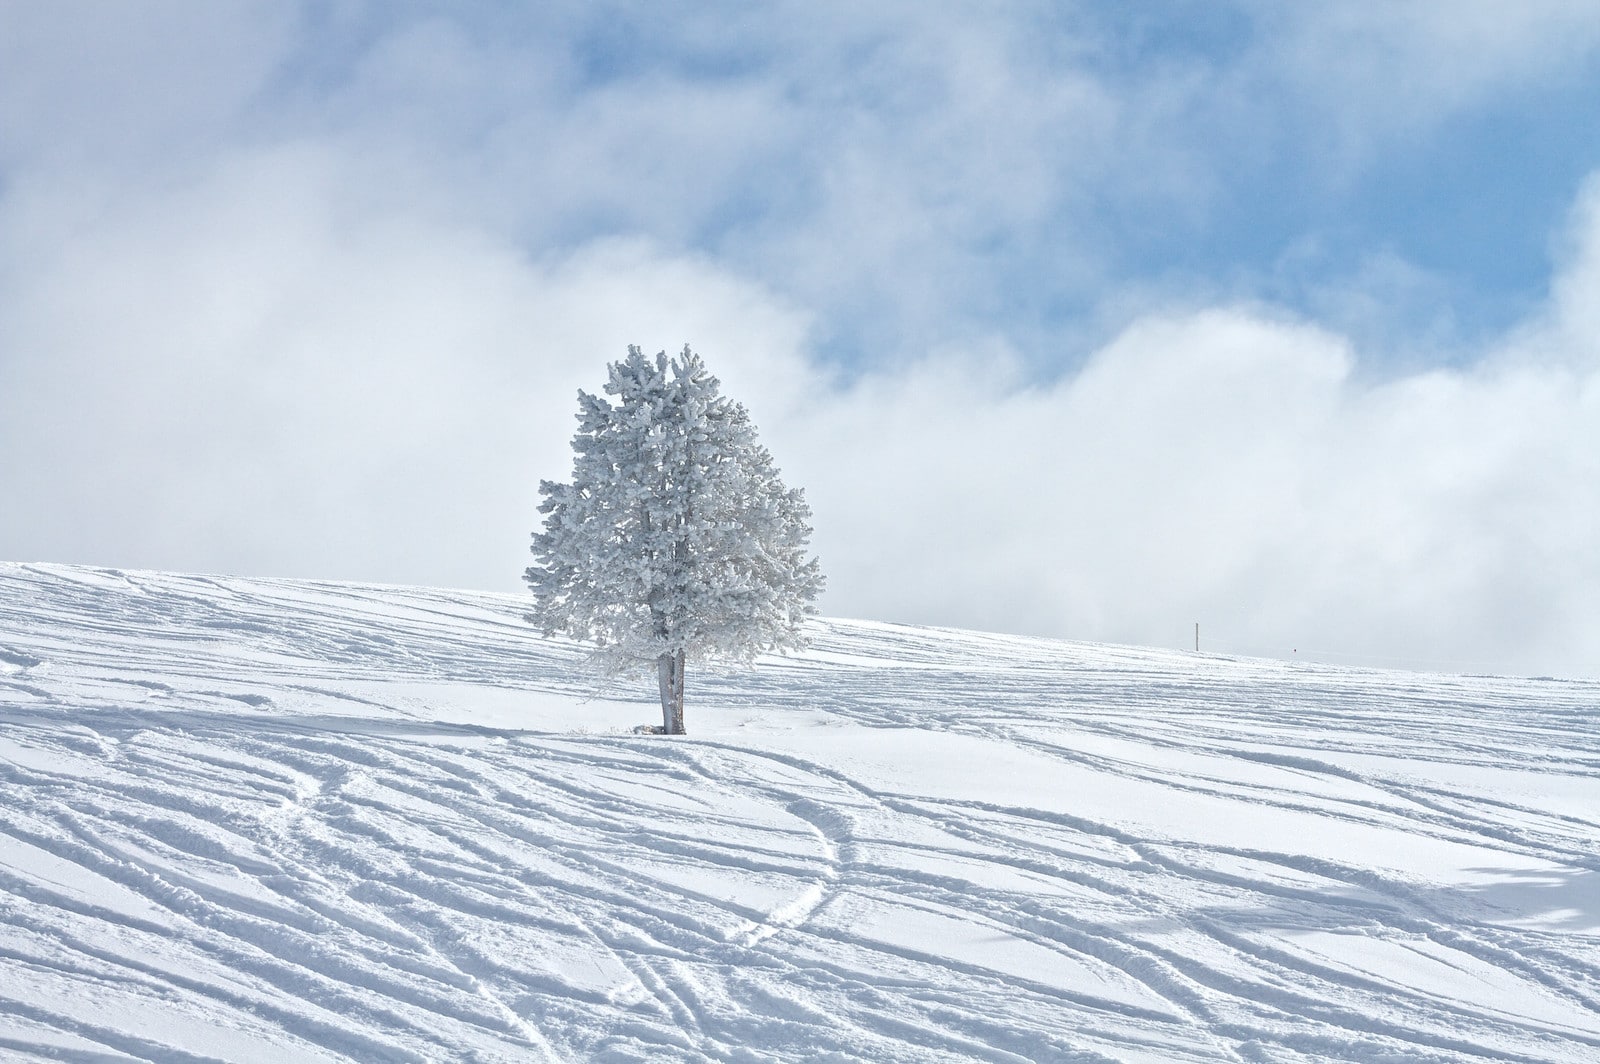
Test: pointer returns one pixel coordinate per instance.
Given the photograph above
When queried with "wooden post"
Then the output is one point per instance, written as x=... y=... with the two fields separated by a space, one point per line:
x=1197 y=637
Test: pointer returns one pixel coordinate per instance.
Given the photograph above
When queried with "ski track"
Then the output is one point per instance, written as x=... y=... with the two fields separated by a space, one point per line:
x=268 y=820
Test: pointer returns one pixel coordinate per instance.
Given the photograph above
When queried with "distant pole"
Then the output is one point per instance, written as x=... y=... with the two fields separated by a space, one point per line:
x=1197 y=637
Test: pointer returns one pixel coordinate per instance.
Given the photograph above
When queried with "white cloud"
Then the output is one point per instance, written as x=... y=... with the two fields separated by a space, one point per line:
x=1233 y=468
x=1401 y=64
x=88 y=84
x=345 y=342
x=252 y=372
x=1571 y=323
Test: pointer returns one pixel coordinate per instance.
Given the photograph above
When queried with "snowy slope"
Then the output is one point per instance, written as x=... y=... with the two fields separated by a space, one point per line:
x=262 y=820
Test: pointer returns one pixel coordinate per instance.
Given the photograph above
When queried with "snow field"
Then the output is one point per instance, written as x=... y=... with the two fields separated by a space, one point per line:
x=261 y=820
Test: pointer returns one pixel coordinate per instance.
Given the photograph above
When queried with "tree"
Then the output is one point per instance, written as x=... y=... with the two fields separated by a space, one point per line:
x=675 y=540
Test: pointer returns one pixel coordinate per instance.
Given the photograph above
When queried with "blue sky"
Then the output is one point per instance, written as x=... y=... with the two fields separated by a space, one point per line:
x=1247 y=177
x=1114 y=316
x=1244 y=176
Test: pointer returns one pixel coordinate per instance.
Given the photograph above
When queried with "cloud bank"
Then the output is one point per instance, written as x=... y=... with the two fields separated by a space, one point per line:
x=322 y=311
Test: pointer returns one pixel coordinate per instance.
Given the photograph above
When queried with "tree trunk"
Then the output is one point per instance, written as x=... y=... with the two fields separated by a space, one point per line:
x=669 y=673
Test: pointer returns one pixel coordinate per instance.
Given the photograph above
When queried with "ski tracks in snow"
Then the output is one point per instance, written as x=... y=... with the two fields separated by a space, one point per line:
x=274 y=820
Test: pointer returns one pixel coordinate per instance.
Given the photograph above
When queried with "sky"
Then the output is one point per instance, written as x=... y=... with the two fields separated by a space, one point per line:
x=1087 y=320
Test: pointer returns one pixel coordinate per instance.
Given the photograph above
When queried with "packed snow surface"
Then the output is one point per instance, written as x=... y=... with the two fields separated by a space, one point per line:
x=272 y=821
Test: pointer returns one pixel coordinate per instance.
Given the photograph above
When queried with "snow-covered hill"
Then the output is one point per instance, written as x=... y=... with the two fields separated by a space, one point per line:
x=266 y=820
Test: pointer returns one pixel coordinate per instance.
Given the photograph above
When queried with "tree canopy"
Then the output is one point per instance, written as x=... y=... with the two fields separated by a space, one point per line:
x=675 y=540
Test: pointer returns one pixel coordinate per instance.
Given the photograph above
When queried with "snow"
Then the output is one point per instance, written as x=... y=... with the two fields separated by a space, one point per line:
x=676 y=538
x=269 y=820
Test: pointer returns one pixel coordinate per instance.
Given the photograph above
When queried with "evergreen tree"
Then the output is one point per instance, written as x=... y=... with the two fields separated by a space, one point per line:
x=675 y=540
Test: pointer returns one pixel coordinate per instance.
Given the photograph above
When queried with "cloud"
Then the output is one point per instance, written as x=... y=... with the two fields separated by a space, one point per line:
x=913 y=178
x=1389 y=68
x=1229 y=469
x=1571 y=322
x=254 y=372
x=1236 y=468
x=84 y=84
x=321 y=309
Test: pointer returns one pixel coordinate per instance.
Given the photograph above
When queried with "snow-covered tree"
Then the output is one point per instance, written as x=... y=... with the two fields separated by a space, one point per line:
x=675 y=540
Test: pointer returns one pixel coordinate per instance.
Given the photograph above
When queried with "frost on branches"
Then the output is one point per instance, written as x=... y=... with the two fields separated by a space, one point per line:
x=675 y=541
